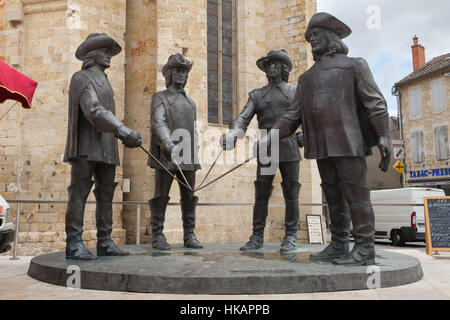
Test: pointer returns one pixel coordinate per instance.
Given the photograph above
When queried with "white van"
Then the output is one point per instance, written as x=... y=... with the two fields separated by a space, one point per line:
x=6 y=226
x=401 y=223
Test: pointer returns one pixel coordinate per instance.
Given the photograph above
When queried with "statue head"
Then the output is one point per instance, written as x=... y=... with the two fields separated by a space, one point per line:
x=325 y=33
x=276 y=63
x=98 y=48
x=176 y=70
x=326 y=42
x=101 y=57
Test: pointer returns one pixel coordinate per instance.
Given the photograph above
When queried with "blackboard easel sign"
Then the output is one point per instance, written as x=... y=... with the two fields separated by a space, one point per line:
x=437 y=224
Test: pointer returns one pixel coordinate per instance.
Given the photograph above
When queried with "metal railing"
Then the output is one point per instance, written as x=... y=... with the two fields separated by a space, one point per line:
x=138 y=205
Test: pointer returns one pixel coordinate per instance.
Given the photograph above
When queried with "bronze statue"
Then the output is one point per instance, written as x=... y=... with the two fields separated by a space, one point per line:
x=343 y=114
x=268 y=104
x=173 y=111
x=91 y=146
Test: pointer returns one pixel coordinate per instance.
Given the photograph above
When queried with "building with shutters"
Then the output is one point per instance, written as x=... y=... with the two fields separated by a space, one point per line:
x=376 y=178
x=223 y=38
x=424 y=100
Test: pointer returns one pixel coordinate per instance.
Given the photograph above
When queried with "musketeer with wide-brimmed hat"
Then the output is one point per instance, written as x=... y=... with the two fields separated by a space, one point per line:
x=268 y=104
x=174 y=142
x=343 y=115
x=92 y=148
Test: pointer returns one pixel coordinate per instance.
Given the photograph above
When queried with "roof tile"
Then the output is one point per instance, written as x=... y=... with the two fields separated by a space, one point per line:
x=429 y=67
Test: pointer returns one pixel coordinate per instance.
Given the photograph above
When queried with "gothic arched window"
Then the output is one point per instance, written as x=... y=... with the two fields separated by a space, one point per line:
x=221 y=53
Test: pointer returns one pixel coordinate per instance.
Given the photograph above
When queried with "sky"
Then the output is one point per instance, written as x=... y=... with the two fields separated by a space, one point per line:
x=383 y=31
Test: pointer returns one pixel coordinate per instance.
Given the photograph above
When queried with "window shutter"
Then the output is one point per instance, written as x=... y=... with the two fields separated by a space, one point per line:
x=421 y=148
x=417 y=146
x=415 y=101
x=441 y=142
x=437 y=95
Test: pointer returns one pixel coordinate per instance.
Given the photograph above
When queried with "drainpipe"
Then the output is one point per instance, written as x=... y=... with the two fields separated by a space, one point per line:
x=396 y=92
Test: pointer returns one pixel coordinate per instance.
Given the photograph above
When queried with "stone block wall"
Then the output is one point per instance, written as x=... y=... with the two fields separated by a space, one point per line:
x=180 y=26
x=141 y=77
x=32 y=158
x=32 y=141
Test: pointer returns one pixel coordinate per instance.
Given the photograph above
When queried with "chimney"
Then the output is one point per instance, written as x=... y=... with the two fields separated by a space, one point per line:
x=418 y=54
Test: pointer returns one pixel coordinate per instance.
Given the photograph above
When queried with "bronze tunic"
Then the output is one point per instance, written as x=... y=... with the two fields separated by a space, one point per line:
x=336 y=102
x=172 y=110
x=92 y=123
x=269 y=103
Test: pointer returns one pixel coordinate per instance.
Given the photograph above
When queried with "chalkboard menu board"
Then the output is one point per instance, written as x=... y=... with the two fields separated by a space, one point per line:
x=437 y=224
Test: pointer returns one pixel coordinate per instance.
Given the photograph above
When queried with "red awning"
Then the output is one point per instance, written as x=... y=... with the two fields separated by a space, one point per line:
x=16 y=86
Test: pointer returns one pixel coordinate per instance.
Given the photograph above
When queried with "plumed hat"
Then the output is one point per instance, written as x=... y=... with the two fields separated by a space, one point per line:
x=279 y=55
x=97 y=41
x=177 y=61
x=327 y=21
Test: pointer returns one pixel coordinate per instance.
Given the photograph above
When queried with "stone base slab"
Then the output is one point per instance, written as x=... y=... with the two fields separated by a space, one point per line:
x=223 y=269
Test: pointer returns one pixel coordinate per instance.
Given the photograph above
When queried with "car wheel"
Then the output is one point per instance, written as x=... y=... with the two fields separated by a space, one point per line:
x=5 y=247
x=397 y=238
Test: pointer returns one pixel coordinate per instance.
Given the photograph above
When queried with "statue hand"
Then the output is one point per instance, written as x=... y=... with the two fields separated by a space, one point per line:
x=130 y=138
x=133 y=140
x=166 y=149
x=175 y=153
x=299 y=136
x=385 y=152
x=228 y=141
x=262 y=144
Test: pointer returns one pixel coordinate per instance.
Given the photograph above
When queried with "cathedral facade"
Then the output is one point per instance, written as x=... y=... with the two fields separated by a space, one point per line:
x=223 y=38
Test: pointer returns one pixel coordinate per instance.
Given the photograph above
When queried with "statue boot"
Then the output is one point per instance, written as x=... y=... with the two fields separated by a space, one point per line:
x=78 y=193
x=188 y=206
x=291 y=190
x=263 y=191
x=158 y=207
x=104 y=194
x=363 y=220
x=340 y=228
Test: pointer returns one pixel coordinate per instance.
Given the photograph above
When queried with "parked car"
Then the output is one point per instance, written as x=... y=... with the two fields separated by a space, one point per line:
x=401 y=224
x=6 y=226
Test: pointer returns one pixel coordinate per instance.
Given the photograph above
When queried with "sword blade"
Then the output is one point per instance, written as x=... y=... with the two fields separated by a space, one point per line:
x=212 y=166
x=8 y=110
x=168 y=171
x=226 y=173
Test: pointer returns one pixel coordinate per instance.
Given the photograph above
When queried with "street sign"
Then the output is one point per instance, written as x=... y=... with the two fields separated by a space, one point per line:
x=314 y=224
x=399 y=153
x=399 y=166
x=397 y=142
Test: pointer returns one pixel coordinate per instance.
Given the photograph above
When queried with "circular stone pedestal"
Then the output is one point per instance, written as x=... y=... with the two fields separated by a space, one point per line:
x=223 y=269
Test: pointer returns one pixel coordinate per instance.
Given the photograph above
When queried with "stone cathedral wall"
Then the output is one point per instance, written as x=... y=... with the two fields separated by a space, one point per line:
x=39 y=38
x=157 y=29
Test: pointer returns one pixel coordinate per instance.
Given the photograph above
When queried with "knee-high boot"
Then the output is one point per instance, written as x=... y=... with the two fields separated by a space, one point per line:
x=188 y=206
x=263 y=191
x=158 y=208
x=104 y=194
x=340 y=228
x=363 y=221
x=291 y=190
x=78 y=192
